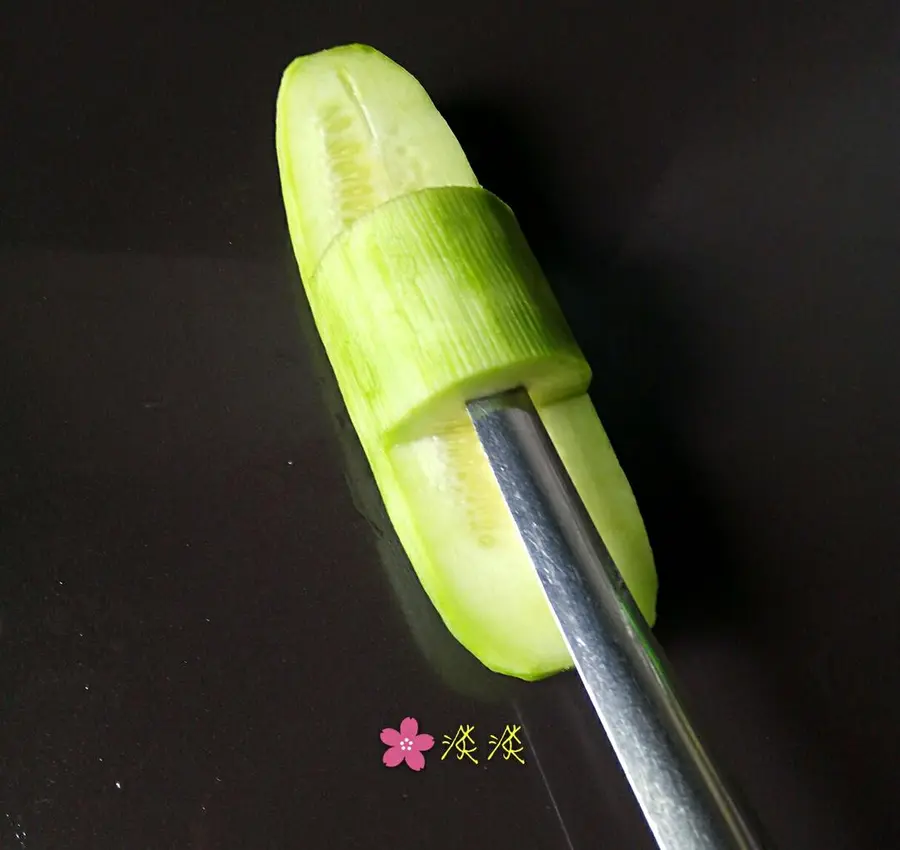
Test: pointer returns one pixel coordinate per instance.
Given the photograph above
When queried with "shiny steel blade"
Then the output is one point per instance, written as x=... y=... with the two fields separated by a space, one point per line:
x=682 y=796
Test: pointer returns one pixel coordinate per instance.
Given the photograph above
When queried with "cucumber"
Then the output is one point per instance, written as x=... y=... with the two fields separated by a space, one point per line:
x=425 y=294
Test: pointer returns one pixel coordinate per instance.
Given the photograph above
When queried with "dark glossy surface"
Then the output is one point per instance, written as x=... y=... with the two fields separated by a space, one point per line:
x=202 y=634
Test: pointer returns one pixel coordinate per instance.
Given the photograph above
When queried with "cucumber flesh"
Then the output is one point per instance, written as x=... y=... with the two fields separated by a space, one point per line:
x=472 y=562
x=359 y=139
x=355 y=130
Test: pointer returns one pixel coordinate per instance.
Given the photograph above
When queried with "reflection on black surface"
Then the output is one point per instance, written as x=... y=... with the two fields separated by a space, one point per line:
x=582 y=778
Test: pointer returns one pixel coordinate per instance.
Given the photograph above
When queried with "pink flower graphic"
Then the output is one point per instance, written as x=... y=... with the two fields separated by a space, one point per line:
x=406 y=745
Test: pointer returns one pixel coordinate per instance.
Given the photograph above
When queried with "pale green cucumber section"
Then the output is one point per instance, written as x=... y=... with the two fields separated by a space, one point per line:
x=473 y=564
x=396 y=278
x=353 y=130
x=494 y=605
x=435 y=298
x=589 y=458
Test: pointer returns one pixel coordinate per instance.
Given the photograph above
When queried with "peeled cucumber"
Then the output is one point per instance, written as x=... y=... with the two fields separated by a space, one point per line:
x=425 y=294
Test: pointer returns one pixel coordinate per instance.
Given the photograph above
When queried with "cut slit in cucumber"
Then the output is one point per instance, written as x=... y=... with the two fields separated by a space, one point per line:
x=425 y=293
x=355 y=130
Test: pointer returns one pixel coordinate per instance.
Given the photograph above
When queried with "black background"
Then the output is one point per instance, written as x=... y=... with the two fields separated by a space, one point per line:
x=201 y=631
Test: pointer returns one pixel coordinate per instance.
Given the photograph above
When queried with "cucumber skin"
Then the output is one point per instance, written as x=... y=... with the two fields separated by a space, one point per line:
x=433 y=299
